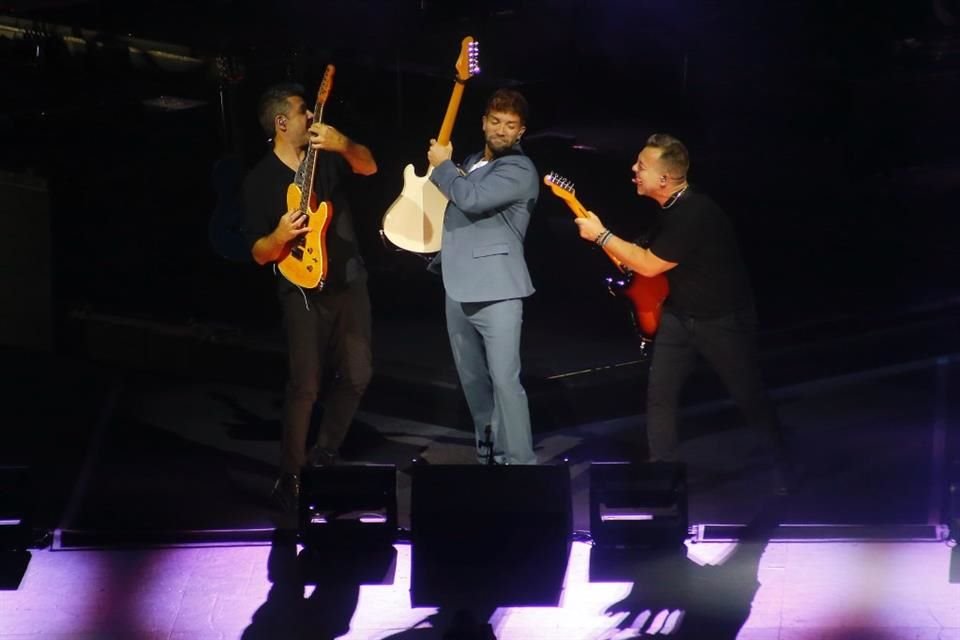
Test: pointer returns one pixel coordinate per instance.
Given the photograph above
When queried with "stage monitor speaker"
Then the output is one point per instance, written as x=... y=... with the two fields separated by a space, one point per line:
x=348 y=506
x=501 y=531
x=638 y=504
x=26 y=263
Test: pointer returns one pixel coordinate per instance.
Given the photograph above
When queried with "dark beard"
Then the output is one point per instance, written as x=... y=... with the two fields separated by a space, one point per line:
x=505 y=151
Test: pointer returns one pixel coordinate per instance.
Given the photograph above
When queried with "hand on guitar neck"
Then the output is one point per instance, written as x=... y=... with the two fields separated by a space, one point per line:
x=587 y=222
x=439 y=153
x=327 y=138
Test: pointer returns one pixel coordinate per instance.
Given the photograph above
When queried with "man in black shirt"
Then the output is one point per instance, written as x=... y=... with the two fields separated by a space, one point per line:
x=710 y=307
x=329 y=322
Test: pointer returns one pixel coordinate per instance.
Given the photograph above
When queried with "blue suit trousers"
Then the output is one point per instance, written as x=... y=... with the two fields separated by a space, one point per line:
x=485 y=340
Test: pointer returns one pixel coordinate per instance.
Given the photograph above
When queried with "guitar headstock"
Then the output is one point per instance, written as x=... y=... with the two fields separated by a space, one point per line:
x=326 y=85
x=468 y=62
x=560 y=186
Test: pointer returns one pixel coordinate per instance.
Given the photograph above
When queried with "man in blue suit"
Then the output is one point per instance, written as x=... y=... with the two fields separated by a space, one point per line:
x=485 y=276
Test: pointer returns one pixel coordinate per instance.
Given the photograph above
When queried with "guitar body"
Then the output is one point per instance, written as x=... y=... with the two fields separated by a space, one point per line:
x=304 y=260
x=414 y=222
x=646 y=296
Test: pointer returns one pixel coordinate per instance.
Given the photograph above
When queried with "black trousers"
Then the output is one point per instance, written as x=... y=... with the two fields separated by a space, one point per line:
x=331 y=336
x=729 y=344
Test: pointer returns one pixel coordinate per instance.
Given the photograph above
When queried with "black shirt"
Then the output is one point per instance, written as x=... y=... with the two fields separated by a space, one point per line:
x=265 y=201
x=710 y=279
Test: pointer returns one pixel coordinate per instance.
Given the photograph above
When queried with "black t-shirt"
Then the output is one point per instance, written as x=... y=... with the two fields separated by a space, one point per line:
x=710 y=278
x=265 y=201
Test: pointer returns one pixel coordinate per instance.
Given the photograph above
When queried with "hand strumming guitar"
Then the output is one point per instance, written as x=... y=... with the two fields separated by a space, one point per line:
x=271 y=247
x=291 y=225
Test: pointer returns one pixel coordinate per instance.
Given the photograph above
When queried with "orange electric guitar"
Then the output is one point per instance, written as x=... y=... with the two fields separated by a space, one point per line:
x=304 y=260
x=415 y=219
x=646 y=295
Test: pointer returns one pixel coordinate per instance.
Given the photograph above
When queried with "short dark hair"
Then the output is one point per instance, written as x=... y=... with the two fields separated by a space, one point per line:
x=508 y=101
x=273 y=102
x=673 y=154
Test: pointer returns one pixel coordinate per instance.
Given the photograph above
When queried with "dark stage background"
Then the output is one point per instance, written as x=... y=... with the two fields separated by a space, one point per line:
x=143 y=367
x=826 y=129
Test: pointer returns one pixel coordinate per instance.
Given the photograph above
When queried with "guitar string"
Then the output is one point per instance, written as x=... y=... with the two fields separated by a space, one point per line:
x=300 y=179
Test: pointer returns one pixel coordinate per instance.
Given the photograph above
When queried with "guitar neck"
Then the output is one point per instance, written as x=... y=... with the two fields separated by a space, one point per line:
x=451 y=116
x=581 y=212
x=310 y=162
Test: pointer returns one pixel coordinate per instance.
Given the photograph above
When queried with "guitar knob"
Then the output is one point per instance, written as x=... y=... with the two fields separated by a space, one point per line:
x=611 y=286
x=646 y=347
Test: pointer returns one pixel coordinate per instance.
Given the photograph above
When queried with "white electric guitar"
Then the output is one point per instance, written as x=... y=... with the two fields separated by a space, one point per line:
x=414 y=221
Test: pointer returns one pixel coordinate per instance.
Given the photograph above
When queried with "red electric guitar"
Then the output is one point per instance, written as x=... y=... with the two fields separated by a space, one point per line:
x=646 y=295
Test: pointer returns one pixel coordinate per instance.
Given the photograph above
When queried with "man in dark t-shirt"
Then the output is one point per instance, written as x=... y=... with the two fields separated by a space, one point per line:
x=709 y=309
x=327 y=326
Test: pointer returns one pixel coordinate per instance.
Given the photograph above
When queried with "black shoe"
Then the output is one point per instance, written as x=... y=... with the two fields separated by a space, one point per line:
x=319 y=457
x=286 y=492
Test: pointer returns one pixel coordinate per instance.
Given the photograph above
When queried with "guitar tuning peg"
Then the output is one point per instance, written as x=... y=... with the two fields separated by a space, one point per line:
x=473 y=53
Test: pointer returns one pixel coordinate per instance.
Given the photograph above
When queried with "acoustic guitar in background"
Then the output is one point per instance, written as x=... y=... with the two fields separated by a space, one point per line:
x=645 y=295
x=304 y=259
x=414 y=221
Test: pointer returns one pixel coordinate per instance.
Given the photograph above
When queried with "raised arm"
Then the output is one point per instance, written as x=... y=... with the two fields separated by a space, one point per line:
x=513 y=178
x=631 y=255
x=358 y=156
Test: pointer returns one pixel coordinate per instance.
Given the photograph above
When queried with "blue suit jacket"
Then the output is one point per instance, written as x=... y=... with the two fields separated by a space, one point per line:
x=481 y=253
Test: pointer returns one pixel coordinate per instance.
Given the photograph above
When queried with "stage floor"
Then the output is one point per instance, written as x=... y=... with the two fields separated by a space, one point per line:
x=157 y=442
x=756 y=591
